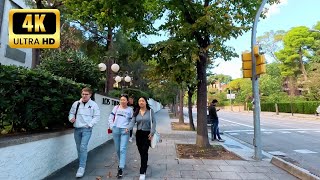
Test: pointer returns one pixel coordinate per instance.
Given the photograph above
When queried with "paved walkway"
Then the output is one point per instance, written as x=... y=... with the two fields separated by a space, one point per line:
x=164 y=164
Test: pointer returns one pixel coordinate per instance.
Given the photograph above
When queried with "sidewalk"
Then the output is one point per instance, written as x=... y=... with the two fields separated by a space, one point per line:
x=164 y=164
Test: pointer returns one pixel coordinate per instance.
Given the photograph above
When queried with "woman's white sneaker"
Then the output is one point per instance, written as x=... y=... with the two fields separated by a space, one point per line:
x=142 y=177
x=80 y=172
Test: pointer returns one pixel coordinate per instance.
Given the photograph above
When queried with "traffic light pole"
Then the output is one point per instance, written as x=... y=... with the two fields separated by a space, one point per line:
x=255 y=90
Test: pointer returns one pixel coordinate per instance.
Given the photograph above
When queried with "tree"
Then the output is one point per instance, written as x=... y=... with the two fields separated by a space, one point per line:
x=210 y=24
x=270 y=42
x=243 y=89
x=294 y=53
x=175 y=60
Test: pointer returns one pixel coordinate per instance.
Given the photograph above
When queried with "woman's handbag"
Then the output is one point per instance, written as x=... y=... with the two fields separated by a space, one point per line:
x=156 y=138
x=114 y=117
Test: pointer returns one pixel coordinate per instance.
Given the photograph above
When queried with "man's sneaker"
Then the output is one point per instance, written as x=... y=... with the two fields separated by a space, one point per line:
x=221 y=140
x=142 y=177
x=130 y=139
x=119 y=175
x=80 y=172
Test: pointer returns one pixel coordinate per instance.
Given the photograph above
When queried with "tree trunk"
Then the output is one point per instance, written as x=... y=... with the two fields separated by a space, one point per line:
x=110 y=81
x=302 y=68
x=202 y=131
x=176 y=106
x=190 y=94
x=35 y=57
x=181 y=119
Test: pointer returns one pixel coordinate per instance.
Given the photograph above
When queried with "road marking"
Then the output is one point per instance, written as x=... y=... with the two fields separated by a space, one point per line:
x=234 y=134
x=285 y=132
x=267 y=132
x=317 y=131
x=275 y=130
x=304 y=151
x=250 y=132
x=236 y=123
x=277 y=153
x=301 y=131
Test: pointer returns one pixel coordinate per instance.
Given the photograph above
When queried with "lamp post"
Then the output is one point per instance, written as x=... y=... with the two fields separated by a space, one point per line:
x=109 y=78
x=125 y=77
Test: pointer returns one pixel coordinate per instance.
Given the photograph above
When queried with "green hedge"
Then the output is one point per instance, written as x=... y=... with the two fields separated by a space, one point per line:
x=34 y=99
x=304 y=107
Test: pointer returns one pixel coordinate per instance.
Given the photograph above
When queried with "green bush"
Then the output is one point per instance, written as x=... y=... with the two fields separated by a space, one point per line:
x=35 y=99
x=72 y=65
x=302 y=107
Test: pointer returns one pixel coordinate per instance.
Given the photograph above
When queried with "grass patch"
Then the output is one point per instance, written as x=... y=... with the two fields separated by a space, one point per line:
x=180 y=127
x=216 y=152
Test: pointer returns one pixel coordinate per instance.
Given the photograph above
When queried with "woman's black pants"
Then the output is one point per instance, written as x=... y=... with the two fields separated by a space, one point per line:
x=143 y=144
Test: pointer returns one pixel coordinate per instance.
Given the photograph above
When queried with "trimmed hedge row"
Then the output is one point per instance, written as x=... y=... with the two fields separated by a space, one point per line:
x=35 y=99
x=305 y=107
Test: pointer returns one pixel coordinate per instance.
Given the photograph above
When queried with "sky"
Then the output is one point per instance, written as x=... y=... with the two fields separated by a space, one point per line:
x=283 y=16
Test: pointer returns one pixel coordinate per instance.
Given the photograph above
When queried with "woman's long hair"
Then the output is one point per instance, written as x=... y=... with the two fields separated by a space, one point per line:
x=135 y=114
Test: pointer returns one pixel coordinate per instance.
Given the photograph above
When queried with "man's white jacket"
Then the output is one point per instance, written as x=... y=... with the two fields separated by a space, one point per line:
x=87 y=116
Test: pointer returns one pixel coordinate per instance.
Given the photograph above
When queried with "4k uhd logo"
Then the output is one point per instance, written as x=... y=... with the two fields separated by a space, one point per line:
x=34 y=28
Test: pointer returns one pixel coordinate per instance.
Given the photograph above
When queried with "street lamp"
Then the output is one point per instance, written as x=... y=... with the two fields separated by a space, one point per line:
x=114 y=68
x=125 y=77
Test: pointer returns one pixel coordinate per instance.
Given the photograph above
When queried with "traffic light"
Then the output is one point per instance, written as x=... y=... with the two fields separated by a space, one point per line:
x=246 y=64
x=261 y=64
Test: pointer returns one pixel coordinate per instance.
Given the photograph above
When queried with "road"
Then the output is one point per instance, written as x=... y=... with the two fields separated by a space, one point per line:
x=294 y=139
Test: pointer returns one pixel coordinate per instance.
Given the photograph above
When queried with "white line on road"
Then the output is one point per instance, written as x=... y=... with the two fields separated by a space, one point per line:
x=234 y=134
x=236 y=123
x=301 y=131
x=274 y=130
x=285 y=132
x=304 y=151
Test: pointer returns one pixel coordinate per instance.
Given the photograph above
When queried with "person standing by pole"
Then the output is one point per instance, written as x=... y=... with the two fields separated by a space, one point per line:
x=214 y=121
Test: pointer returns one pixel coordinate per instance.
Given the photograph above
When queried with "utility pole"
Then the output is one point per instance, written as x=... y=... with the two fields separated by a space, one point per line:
x=255 y=89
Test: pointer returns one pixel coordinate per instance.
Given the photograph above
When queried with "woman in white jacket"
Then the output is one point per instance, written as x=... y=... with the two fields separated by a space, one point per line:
x=119 y=120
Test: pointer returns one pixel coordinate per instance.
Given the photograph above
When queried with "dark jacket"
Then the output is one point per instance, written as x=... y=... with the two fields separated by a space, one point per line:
x=213 y=113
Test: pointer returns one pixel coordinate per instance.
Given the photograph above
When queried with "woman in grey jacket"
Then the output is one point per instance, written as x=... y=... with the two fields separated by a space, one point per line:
x=144 y=133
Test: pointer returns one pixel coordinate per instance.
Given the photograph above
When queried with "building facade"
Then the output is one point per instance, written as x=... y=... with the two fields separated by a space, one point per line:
x=12 y=56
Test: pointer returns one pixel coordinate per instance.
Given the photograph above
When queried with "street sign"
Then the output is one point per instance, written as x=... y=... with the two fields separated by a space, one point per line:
x=231 y=96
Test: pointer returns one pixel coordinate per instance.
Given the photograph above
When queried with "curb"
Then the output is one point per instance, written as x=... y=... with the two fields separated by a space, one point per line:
x=293 y=169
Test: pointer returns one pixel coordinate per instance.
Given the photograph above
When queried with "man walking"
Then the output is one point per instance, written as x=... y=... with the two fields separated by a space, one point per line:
x=84 y=114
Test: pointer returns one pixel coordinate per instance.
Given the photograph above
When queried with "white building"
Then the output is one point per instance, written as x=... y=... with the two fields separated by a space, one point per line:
x=11 y=56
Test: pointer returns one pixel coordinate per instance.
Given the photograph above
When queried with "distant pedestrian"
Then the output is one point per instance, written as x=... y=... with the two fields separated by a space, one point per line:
x=144 y=133
x=214 y=121
x=119 y=120
x=84 y=114
x=134 y=107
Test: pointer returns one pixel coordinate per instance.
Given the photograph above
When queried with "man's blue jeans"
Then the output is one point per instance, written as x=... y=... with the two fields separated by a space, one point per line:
x=215 y=130
x=82 y=137
x=120 y=138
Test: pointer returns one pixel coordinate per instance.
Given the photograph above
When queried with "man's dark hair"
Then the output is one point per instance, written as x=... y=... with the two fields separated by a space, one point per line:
x=214 y=101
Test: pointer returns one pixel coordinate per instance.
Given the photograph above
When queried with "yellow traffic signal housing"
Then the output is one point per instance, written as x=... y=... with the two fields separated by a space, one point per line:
x=256 y=50
x=246 y=64
x=247 y=73
x=261 y=69
x=246 y=56
x=260 y=59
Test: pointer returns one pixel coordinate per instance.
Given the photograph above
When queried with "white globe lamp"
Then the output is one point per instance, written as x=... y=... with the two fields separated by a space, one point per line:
x=102 y=67
x=115 y=67
x=117 y=79
x=127 y=79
